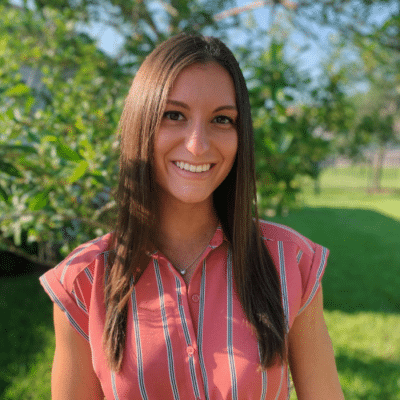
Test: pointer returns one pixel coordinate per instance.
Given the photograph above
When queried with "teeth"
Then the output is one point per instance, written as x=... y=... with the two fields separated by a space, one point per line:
x=192 y=168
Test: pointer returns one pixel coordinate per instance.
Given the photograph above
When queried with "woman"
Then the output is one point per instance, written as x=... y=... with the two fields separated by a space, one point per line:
x=190 y=297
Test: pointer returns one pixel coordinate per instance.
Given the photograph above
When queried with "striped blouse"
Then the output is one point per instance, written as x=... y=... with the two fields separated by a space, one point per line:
x=187 y=342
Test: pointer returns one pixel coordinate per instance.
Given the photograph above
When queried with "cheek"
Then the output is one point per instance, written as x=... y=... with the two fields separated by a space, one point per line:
x=158 y=158
x=161 y=147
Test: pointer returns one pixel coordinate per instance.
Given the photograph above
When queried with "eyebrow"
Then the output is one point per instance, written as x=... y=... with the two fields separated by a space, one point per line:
x=184 y=105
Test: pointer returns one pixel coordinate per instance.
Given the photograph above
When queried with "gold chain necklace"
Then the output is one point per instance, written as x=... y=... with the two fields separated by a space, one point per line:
x=183 y=271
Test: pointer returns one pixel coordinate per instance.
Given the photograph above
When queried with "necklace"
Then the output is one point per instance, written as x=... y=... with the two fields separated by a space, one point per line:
x=183 y=271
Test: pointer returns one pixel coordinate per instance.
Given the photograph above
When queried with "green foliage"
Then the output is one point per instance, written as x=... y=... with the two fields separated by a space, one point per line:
x=378 y=112
x=290 y=138
x=60 y=104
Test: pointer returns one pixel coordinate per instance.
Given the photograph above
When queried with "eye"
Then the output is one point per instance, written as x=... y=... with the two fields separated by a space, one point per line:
x=173 y=115
x=223 y=119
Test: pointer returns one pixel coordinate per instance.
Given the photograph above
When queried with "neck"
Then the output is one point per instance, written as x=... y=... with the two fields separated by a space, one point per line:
x=185 y=226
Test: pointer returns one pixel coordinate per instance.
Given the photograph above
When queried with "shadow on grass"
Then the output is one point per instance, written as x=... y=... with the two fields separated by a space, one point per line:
x=369 y=378
x=26 y=314
x=363 y=266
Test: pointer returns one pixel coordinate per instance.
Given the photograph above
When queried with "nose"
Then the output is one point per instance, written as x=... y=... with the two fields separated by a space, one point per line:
x=198 y=141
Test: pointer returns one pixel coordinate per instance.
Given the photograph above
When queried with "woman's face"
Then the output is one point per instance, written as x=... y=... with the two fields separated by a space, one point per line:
x=196 y=145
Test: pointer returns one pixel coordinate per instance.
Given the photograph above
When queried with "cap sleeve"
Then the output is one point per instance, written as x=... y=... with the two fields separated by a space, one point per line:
x=67 y=301
x=312 y=267
x=69 y=284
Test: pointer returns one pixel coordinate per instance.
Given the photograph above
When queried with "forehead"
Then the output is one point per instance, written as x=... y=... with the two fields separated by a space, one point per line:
x=200 y=81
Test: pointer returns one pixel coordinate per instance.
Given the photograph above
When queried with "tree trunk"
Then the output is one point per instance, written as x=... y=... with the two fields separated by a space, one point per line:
x=378 y=168
x=317 y=186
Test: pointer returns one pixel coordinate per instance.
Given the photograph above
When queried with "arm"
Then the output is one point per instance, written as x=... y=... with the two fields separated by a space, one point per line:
x=72 y=374
x=311 y=357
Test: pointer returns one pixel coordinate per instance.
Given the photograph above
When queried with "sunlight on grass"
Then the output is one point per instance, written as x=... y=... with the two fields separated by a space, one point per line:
x=385 y=203
x=367 y=352
x=358 y=177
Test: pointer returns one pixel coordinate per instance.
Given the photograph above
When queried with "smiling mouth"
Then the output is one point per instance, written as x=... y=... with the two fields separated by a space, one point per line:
x=193 y=168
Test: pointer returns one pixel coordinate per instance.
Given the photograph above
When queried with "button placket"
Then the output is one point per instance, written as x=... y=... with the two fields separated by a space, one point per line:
x=190 y=351
x=185 y=300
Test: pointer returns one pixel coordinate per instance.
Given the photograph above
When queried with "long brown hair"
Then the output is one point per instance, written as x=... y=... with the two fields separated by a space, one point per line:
x=256 y=279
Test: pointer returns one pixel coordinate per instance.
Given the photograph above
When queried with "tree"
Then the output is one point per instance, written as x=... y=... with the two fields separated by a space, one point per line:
x=379 y=123
x=288 y=127
x=378 y=109
x=355 y=20
x=144 y=24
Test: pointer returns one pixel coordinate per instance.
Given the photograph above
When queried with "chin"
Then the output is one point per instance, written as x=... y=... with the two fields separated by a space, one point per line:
x=193 y=198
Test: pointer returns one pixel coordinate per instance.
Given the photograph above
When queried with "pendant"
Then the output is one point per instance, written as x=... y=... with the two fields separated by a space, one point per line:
x=182 y=271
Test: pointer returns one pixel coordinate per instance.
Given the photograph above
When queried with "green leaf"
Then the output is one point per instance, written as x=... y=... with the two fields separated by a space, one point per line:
x=18 y=90
x=40 y=200
x=9 y=169
x=78 y=172
x=90 y=153
x=49 y=138
x=79 y=124
x=10 y=113
x=99 y=178
x=270 y=145
x=30 y=101
x=3 y=194
x=67 y=153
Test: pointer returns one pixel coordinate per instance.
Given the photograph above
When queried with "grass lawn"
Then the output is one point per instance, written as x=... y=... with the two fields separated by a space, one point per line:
x=27 y=339
x=362 y=280
x=361 y=295
x=358 y=177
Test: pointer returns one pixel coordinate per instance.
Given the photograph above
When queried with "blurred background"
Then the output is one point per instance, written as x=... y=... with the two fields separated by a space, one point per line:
x=324 y=83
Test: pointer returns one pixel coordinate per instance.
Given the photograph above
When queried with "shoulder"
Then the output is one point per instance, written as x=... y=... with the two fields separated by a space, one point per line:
x=272 y=231
x=83 y=259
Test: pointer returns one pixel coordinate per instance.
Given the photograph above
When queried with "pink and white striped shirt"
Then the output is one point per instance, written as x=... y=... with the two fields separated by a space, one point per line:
x=187 y=342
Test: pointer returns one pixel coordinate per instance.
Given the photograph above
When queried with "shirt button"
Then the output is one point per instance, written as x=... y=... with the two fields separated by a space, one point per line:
x=190 y=350
x=195 y=298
